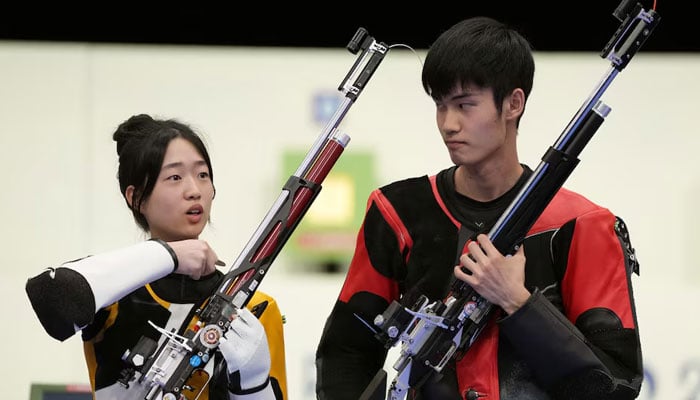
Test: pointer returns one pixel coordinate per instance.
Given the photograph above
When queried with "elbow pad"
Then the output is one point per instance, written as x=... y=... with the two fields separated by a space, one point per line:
x=66 y=298
x=62 y=300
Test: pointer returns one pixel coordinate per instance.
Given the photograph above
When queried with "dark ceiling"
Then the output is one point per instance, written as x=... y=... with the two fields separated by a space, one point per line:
x=574 y=27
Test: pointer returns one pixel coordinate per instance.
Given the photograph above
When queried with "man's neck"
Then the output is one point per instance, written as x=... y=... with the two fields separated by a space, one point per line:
x=486 y=184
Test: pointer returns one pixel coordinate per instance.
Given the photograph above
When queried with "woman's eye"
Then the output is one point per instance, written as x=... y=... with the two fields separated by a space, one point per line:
x=204 y=175
x=174 y=178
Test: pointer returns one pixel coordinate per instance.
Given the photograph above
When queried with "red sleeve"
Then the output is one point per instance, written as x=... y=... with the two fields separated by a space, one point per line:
x=596 y=276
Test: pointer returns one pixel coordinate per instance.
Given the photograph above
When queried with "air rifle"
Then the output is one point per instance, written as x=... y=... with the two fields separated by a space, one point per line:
x=431 y=333
x=177 y=370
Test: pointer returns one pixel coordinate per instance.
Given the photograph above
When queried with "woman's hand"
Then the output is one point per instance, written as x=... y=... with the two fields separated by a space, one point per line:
x=194 y=258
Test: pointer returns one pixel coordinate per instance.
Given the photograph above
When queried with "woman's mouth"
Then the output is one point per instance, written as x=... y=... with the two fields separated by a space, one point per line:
x=195 y=214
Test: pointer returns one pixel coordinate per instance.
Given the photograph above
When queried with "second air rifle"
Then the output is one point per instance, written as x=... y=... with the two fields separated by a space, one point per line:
x=431 y=334
x=176 y=368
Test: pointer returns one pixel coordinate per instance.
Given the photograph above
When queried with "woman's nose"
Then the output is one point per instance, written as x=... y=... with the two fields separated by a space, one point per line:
x=192 y=190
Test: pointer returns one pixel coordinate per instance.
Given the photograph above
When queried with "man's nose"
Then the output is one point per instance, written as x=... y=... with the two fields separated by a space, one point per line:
x=449 y=122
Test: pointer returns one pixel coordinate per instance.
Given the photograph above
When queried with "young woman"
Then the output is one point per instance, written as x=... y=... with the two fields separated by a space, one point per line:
x=166 y=178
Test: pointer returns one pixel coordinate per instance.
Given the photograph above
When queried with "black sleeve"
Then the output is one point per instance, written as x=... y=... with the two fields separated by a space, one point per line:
x=62 y=300
x=573 y=368
x=348 y=355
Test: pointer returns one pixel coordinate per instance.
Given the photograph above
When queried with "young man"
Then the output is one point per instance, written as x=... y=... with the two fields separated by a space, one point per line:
x=565 y=325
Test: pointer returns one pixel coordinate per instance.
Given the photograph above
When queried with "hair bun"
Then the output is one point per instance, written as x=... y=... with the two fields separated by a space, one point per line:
x=134 y=129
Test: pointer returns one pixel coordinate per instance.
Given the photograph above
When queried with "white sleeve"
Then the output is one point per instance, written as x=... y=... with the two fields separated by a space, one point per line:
x=115 y=274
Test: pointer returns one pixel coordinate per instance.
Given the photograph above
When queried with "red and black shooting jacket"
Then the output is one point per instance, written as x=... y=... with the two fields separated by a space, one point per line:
x=575 y=338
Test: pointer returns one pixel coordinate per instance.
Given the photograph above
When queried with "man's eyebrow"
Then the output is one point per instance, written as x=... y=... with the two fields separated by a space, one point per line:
x=462 y=95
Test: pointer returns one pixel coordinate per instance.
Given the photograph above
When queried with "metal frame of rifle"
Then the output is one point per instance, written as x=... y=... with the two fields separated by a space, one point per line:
x=180 y=358
x=432 y=333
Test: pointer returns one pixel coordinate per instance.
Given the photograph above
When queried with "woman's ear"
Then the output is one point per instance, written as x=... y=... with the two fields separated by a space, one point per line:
x=129 y=195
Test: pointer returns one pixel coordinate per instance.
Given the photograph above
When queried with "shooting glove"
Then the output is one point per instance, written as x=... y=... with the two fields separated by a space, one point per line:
x=247 y=355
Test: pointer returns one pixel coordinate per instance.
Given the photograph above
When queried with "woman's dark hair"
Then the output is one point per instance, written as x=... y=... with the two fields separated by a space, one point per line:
x=141 y=145
x=483 y=52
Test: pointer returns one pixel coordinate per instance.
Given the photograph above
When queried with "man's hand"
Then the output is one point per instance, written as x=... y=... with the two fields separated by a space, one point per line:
x=499 y=279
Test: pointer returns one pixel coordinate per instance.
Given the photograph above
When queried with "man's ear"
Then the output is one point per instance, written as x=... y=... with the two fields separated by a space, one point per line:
x=515 y=104
x=129 y=195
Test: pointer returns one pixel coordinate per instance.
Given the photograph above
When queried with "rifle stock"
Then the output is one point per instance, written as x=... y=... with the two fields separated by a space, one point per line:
x=179 y=369
x=431 y=334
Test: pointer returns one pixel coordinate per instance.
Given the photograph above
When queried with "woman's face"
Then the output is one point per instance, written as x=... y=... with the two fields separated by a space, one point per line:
x=179 y=206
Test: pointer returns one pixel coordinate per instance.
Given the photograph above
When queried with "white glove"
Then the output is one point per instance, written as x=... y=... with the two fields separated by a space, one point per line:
x=247 y=355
